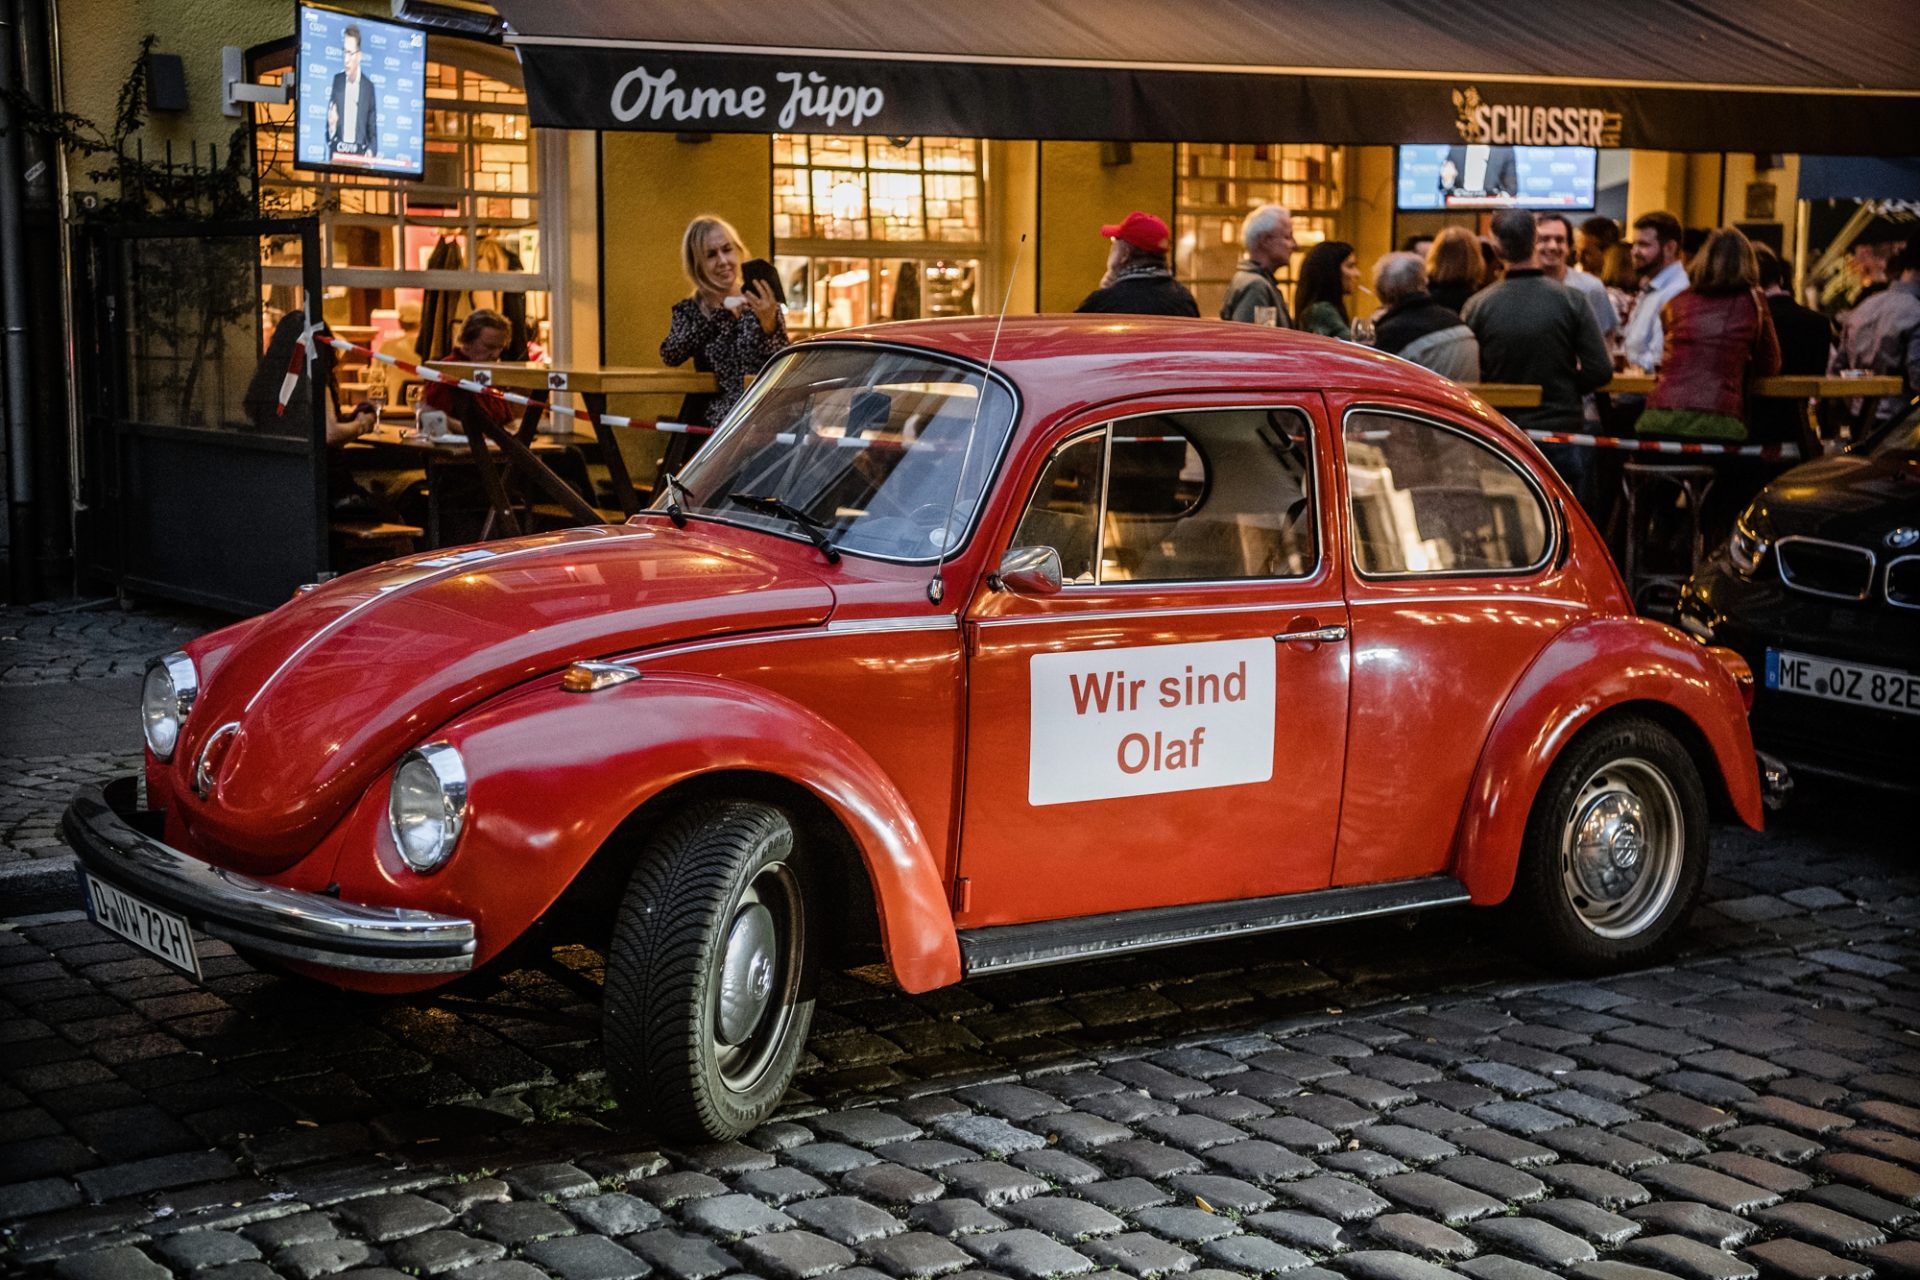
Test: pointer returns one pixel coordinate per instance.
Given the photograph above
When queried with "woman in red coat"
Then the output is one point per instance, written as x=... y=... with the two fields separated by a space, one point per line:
x=1719 y=337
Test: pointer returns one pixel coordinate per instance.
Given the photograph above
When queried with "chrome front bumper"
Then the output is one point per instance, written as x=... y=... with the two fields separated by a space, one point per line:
x=105 y=831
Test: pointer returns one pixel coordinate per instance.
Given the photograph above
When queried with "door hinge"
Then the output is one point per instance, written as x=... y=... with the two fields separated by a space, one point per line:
x=962 y=895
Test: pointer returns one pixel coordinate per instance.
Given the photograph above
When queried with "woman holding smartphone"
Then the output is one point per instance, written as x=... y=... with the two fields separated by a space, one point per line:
x=731 y=324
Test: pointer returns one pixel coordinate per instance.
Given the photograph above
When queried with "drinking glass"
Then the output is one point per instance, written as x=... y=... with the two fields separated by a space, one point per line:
x=1269 y=316
x=1363 y=331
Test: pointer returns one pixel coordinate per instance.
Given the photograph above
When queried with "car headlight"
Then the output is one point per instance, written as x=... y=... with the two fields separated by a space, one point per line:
x=1747 y=547
x=426 y=804
x=165 y=699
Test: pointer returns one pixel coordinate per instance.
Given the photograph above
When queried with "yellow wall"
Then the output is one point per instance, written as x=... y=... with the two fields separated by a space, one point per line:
x=654 y=185
x=1013 y=188
x=1366 y=213
x=1078 y=196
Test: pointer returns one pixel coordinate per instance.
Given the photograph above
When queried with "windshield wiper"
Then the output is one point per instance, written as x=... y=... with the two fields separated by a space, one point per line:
x=815 y=531
x=675 y=492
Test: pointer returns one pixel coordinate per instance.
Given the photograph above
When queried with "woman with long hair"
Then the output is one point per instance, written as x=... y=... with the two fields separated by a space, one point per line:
x=1327 y=275
x=727 y=327
x=1454 y=269
x=1719 y=337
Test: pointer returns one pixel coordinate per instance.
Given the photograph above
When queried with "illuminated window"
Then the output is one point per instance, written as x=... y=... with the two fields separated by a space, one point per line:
x=1220 y=182
x=387 y=241
x=872 y=229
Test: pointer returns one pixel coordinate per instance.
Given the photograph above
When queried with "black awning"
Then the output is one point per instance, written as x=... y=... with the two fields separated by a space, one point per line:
x=1826 y=76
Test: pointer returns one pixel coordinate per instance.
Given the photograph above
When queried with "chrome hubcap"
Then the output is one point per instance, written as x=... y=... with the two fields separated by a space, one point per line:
x=1622 y=847
x=759 y=976
x=746 y=974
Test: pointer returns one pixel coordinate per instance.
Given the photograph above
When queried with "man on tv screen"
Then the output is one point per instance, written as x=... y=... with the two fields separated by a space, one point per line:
x=1478 y=171
x=352 y=129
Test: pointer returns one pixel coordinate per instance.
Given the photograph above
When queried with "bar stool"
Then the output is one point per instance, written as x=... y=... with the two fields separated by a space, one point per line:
x=1687 y=482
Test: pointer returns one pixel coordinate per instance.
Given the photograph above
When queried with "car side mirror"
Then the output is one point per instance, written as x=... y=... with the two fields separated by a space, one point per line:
x=1029 y=571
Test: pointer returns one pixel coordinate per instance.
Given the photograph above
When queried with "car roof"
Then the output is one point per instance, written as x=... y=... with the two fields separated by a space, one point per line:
x=1072 y=358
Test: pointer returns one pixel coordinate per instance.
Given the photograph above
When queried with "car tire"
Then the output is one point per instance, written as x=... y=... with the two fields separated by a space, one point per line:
x=1615 y=851
x=710 y=981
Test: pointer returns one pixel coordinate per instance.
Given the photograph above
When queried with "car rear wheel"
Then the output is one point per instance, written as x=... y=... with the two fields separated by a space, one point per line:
x=1616 y=849
x=710 y=975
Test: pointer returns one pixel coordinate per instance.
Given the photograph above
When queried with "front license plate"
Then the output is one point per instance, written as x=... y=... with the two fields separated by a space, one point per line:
x=146 y=926
x=1852 y=682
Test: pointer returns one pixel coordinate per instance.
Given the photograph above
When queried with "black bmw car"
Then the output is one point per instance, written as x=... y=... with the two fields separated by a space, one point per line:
x=1819 y=589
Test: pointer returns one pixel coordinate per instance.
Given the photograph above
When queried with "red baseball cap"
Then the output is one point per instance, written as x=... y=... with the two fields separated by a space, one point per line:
x=1142 y=231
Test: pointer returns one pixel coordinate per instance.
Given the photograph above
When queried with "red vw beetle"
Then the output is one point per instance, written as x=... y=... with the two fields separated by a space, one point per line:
x=962 y=649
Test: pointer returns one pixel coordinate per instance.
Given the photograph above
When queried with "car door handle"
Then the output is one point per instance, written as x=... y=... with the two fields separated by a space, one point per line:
x=1315 y=635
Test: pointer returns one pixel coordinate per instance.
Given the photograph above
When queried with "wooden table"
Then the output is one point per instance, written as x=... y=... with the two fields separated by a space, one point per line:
x=1783 y=386
x=433 y=453
x=593 y=384
x=1506 y=395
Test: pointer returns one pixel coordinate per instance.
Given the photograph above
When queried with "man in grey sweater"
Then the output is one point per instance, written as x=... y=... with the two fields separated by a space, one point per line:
x=1534 y=331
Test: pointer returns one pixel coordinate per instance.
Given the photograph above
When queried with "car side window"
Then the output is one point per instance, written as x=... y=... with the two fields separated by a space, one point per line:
x=1208 y=495
x=1427 y=499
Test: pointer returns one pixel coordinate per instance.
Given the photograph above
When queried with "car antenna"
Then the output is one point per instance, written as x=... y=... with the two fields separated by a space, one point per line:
x=937 y=589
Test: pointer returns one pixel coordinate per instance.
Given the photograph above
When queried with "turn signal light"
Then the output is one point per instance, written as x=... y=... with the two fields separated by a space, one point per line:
x=1737 y=668
x=586 y=677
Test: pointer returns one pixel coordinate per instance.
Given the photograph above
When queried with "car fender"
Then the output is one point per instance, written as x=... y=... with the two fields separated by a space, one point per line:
x=1586 y=671
x=553 y=774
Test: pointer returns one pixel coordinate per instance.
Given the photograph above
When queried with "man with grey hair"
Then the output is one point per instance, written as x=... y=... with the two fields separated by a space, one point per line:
x=1268 y=236
x=1415 y=327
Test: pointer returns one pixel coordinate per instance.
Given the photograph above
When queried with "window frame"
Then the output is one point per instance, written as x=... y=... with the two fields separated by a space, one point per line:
x=1550 y=547
x=1106 y=427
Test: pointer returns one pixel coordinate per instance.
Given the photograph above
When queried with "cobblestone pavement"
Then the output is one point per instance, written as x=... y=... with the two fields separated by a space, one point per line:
x=69 y=689
x=1376 y=1100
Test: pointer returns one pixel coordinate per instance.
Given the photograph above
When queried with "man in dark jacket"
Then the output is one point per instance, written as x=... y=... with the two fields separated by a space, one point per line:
x=1806 y=339
x=1138 y=280
x=1532 y=330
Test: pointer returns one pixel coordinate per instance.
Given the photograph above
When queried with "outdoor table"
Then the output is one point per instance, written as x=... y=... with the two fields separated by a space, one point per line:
x=1506 y=395
x=1789 y=386
x=436 y=453
x=593 y=384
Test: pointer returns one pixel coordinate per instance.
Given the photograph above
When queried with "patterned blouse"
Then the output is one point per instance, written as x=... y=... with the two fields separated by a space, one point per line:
x=729 y=344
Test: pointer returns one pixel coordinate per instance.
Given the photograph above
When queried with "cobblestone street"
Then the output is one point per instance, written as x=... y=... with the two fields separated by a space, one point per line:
x=1377 y=1100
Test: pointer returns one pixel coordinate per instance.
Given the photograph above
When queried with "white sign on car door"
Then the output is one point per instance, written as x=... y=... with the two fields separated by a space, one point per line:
x=1153 y=718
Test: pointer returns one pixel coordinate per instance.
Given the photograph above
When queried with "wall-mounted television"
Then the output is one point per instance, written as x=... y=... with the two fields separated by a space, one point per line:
x=1441 y=177
x=359 y=94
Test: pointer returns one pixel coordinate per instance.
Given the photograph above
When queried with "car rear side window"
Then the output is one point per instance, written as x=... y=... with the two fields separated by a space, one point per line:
x=1429 y=499
x=1210 y=495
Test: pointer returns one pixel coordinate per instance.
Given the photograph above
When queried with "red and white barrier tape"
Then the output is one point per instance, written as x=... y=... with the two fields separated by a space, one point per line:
x=1666 y=446
x=427 y=373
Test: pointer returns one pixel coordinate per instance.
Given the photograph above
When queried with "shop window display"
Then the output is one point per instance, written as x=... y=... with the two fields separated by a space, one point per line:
x=1220 y=182
x=874 y=229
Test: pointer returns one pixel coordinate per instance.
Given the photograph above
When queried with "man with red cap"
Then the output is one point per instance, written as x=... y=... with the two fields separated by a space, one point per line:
x=1138 y=280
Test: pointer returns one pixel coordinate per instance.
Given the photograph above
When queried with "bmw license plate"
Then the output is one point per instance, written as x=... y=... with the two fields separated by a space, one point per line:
x=1852 y=682
x=159 y=932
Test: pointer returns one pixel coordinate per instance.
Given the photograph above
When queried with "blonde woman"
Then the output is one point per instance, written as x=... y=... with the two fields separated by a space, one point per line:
x=728 y=327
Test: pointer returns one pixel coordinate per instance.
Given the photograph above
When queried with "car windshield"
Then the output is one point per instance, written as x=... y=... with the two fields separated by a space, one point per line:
x=861 y=446
x=1900 y=443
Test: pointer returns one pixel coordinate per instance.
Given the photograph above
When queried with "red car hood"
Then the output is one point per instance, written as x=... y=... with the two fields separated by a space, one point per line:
x=329 y=689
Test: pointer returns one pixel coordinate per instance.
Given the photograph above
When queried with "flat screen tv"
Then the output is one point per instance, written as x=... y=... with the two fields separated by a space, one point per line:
x=359 y=94
x=1438 y=178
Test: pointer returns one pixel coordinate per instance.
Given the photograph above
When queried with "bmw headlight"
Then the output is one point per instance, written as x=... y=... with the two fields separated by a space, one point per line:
x=426 y=804
x=165 y=698
x=1747 y=547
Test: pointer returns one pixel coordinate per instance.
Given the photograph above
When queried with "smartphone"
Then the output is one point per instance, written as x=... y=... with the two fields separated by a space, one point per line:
x=762 y=270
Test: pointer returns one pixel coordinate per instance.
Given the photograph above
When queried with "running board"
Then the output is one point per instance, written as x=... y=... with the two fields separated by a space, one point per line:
x=1000 y=948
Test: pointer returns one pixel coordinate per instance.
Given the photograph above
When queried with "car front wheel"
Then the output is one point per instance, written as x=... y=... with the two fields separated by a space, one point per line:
x=709 y=977
x=1616 y=849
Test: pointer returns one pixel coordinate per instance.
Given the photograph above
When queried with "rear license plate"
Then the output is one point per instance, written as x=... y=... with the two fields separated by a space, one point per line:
x=1852 y=682
x=161 y=933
